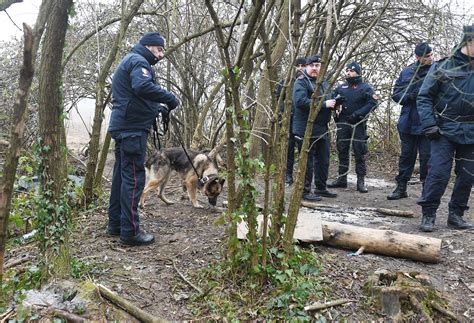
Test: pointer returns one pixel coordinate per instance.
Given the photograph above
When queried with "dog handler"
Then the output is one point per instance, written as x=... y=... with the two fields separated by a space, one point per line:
x=136 y=104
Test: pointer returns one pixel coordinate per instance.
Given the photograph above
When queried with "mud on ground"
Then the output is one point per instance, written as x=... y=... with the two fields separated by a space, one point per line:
x=188 y=239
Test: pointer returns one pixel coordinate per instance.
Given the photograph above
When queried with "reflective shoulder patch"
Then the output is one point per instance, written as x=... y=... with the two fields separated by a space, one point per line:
x=375 y=97
x=145 y=72
x=345 y=87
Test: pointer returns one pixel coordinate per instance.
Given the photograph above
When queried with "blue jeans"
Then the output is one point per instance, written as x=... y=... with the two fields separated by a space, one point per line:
x=128 y=182
x=443 y=152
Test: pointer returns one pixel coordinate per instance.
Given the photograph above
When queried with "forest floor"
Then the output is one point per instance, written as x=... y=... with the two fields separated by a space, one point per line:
x=187 y=240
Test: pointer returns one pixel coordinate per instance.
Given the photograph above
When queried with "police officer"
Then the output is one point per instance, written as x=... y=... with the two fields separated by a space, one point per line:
x=445 y=105
x=412 y=140
x=351 y=120
x=300 y=64
x=136 y=104
x=318 y=155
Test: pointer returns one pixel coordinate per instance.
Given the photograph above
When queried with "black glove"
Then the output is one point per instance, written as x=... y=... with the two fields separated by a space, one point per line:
x=173 y=104
x=413 y=95
x=353 y=119
x=165 y=116
x=340 y=99
x=432 y=133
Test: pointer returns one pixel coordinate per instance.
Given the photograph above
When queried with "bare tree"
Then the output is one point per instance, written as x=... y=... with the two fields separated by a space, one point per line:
x=100 y=103
x=31 y=41
x=52 y=210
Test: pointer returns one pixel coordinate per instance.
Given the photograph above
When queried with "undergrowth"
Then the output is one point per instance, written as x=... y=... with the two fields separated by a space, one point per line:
x=279 y=294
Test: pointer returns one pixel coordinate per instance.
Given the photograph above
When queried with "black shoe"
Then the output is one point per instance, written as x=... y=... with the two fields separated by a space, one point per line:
x=288 y=180
x=455 y=221
x=114 y=232
x=141 y=239
x=340 y=182
x=325 y=193
x=311 y=197
x=361 y=185
x=400 y=192
x=427 y=222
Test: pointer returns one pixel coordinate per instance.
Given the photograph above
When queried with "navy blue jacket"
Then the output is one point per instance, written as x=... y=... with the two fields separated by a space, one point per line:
x=302 y=93
x=446 y=98
x=405 y=93
x=360 y=99
x=135 y=94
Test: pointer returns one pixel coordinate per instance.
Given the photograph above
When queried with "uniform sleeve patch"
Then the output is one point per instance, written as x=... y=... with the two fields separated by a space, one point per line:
x=145 y=72
x=375 y=96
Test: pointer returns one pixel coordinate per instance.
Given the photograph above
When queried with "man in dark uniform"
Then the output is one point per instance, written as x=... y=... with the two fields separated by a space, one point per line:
x=300 y=65
x=351 y=120
x=136 y=104
x=446 y=108
x=412 y=140
x=318 y=155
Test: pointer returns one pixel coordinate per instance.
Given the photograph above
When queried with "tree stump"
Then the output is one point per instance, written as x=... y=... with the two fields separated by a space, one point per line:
x=408 y=297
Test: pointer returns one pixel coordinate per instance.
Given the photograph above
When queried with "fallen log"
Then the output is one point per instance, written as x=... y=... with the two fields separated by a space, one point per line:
x=385 y=242
x=384 y=211
x=128 y=306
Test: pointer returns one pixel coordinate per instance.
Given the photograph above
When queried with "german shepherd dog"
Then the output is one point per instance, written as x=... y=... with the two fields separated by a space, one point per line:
x=161 y=163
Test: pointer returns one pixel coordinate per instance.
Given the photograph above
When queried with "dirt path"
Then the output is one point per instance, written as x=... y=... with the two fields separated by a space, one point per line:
x=188 y=239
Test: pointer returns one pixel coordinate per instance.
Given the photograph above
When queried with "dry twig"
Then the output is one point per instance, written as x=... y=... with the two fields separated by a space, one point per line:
x=186 y=280
x=322 y=306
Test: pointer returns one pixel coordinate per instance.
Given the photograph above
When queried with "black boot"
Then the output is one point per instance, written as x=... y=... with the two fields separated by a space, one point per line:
x=428 y=221
x=141 y=239
x=288 y=180
x=361 y=184
x=400 y=191
x=455 y=221
x=340 y=182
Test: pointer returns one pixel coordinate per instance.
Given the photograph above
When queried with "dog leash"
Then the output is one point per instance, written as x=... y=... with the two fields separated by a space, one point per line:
x=202 y=179
x=165 y=120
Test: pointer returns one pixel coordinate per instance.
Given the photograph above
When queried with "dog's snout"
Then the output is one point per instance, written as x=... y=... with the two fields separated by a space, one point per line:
x=213 y=201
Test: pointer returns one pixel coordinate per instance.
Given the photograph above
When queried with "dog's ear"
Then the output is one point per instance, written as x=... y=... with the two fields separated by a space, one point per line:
x=220 y=162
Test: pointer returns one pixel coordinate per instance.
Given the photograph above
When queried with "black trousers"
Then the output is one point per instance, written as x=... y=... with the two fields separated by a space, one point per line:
x=443 y=153
x=411 y=146
x=317 y=166
x=356 y=137
x=128 y=182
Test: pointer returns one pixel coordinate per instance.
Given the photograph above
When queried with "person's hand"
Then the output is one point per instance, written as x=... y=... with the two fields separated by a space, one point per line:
x=432 y=133
x=353 y=119
x=330 y=103
x=173 y=104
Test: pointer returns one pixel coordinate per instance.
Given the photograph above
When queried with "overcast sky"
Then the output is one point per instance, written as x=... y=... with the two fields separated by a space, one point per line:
x=27 y=11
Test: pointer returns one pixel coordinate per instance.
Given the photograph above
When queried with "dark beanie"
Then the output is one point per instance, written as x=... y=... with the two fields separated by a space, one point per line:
x=313 y=59
x=152 y=39
x=300 y=61
x=421 y=49
x=354 y=66
x=468 y=33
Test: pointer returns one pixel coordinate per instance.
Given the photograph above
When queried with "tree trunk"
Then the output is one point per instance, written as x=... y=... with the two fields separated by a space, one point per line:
x=385 y=242
x=266 y=90
x=32 y=39
x=52 y=214
x=94 y=146
x=16 y=135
